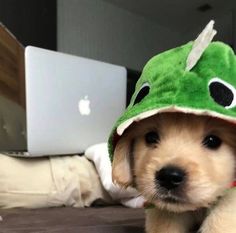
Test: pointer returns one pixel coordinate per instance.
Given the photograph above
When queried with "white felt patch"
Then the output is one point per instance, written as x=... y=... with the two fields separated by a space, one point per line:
x=200 y=44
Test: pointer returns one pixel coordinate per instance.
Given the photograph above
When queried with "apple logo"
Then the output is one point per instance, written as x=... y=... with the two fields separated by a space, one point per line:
x=84 y=106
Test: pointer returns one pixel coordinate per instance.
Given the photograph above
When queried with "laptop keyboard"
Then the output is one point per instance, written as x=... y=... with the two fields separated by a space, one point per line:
x=16 y=153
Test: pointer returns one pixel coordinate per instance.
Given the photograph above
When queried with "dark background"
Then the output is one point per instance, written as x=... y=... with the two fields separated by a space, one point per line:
x=33 y=22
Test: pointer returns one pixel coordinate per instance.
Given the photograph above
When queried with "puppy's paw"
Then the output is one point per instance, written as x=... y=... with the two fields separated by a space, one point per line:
x=221 y=218
x=217 y=225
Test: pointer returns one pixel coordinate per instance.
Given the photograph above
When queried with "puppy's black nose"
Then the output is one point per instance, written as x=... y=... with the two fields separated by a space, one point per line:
x=170 y=177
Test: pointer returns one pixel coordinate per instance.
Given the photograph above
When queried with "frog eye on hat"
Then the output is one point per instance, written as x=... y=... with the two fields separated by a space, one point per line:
x=143 y=91
x=222 y=93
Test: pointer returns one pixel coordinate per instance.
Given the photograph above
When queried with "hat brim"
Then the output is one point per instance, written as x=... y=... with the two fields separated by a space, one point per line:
x=124 y=125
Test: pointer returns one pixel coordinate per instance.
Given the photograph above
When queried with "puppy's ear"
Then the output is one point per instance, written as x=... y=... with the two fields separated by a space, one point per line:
x=121 y=167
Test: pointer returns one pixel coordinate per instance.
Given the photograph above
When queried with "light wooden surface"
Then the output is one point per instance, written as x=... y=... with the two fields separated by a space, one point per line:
x=12 y=78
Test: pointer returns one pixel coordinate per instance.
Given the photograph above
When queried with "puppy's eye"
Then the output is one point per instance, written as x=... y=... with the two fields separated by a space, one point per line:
x=152 y=137
x=212 y=142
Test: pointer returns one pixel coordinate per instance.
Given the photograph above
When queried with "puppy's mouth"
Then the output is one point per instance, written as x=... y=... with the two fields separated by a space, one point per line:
x=171 y=199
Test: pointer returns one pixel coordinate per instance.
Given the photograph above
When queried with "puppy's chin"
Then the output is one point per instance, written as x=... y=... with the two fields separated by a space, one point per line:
x=187 y=202
x=178 y=206
x=174 y=206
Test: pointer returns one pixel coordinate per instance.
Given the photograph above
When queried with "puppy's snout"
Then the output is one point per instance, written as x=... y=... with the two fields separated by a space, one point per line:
x=170 y=177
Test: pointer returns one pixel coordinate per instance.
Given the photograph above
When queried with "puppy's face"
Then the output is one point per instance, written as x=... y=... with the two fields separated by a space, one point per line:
x=177 y=161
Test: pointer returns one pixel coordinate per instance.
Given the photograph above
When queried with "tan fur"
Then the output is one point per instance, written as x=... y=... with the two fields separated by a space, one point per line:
x=121 y=171
x=209 y=172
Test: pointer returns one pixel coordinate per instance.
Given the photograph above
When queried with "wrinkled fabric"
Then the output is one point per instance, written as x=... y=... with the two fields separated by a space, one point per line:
x=48 y=182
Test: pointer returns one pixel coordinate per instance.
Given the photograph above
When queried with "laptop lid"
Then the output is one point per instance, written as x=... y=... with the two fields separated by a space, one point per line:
x=72 y=102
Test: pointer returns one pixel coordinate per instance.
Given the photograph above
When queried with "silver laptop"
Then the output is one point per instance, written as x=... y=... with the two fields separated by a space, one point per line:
x=72 y=102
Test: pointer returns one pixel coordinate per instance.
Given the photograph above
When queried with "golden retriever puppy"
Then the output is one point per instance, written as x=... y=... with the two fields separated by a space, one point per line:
x=184 y=165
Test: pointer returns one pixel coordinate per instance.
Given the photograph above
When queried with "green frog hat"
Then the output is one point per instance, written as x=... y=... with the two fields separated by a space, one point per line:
x=198 y=77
